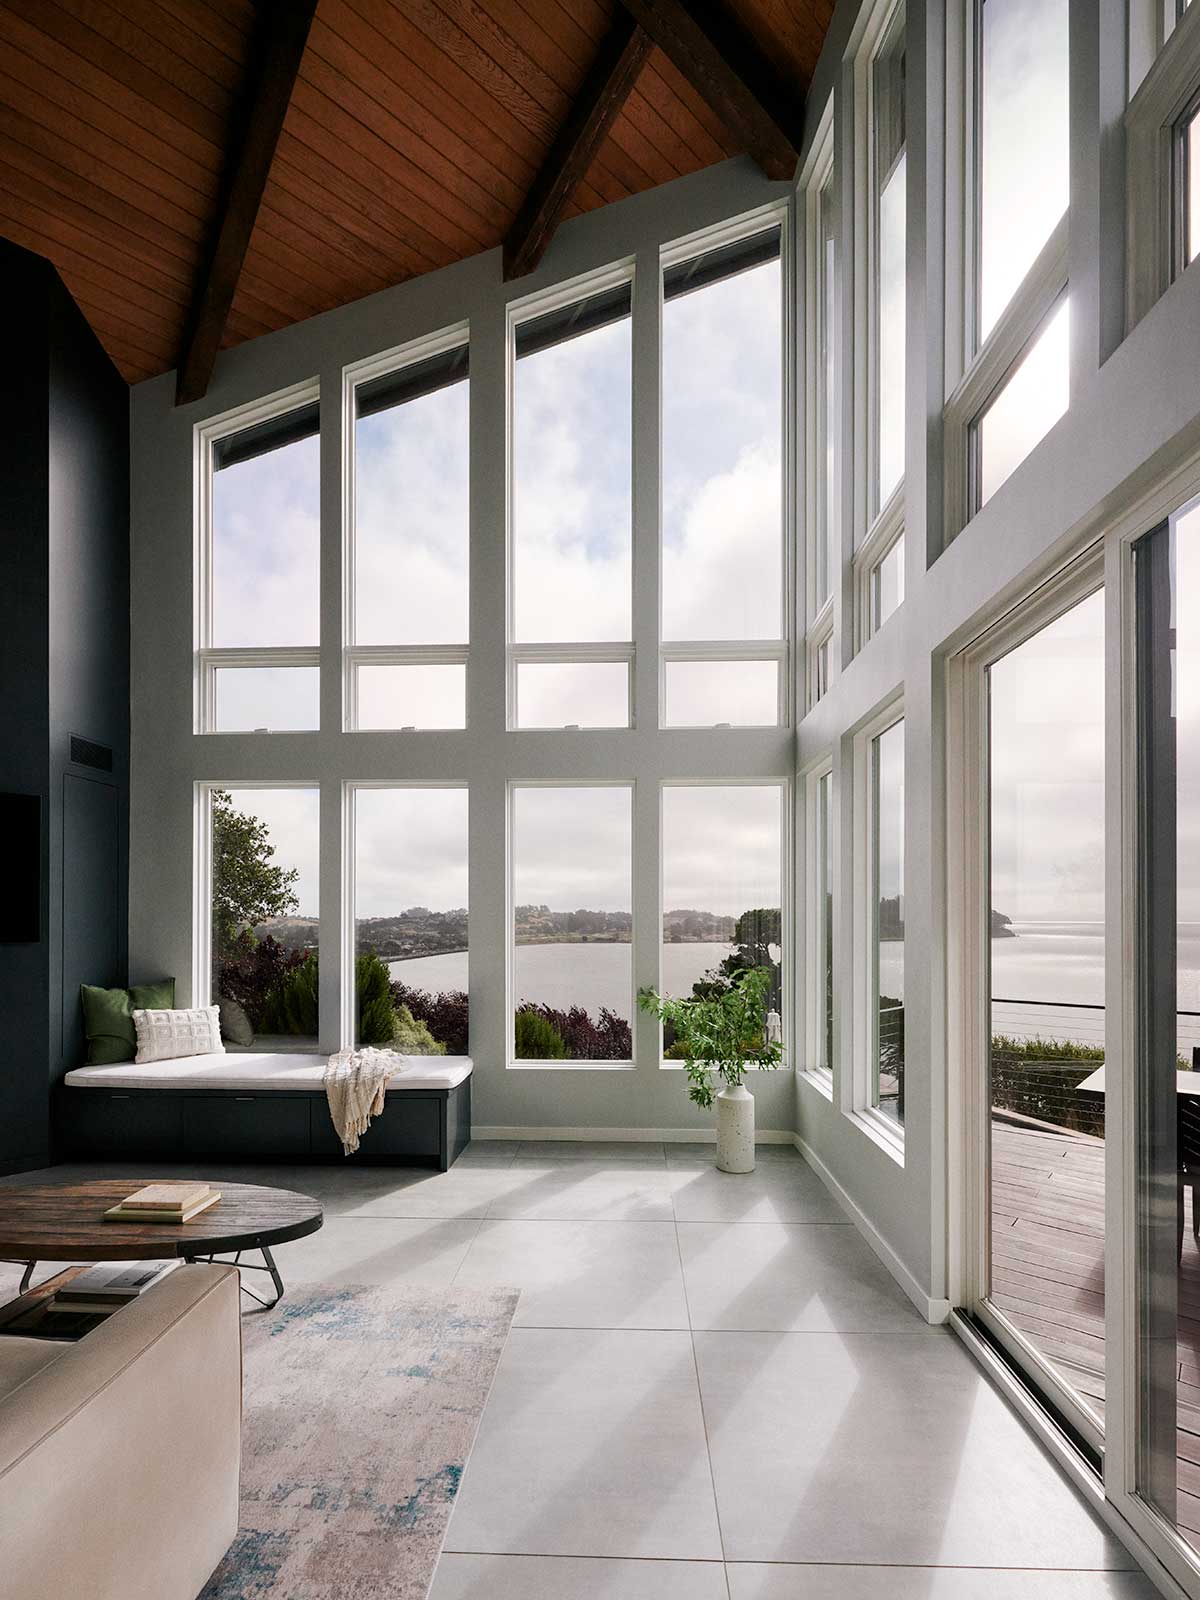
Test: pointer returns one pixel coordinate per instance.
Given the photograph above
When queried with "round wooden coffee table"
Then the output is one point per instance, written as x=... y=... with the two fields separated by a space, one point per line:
x=65 y=1222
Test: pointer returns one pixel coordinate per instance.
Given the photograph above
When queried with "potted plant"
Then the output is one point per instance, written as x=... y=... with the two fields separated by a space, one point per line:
x=719 y=1036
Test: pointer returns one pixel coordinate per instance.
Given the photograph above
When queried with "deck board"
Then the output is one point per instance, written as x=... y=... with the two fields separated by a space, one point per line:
x=1048 y=1275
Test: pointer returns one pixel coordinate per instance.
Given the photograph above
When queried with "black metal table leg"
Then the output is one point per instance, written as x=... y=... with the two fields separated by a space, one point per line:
x=268 y=1265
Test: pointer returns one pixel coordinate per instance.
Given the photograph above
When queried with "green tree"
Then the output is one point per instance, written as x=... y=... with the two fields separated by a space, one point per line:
x=719 y=1036
x=247 y=886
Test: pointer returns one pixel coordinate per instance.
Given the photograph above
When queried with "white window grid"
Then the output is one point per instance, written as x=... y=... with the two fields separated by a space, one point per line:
x=207 y=658
x=857 y=1088
x=817 y=874
x=885 y=535
x=1156 y=168
x=976 y=371
x=356 y=656
x=820 y=655
x=820 y=516
x=746 y=226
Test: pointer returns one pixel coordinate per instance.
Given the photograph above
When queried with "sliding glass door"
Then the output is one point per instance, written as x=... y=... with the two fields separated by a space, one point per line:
x=1167 y=1100
x=1039 y=1281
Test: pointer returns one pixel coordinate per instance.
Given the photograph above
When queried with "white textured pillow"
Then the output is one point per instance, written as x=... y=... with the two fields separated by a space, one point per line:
x=167 y=1035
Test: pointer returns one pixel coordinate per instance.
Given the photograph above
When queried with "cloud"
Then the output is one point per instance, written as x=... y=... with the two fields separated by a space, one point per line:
x=573 y=848
x=266 y=548
x=721 y=847
x=410 y=849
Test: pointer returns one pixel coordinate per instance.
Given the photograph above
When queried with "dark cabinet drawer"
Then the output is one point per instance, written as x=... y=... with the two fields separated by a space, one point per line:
x=245 y=1125
x=411 y=1125
x=110 y=1122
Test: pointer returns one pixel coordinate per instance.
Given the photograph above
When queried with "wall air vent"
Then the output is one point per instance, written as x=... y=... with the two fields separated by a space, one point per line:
x=87 y=753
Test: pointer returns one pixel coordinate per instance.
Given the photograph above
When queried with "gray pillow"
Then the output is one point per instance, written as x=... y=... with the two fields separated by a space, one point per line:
x=235 y=1024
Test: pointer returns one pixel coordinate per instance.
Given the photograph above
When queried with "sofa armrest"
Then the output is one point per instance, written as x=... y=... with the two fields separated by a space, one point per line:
x=119 y=1462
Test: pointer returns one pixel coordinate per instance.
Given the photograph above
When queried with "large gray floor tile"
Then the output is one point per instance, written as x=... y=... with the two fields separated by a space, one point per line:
x=464 y=1191
x=881 y=1448
x=583 y=1274
x=603 y=1190
x=773 y=1192
x=647 y=1152
x=751 y=1582
x=704 y=1154
x=590 y=1444
x=575 y=1578
x=379 y=1250
x=815 y=1278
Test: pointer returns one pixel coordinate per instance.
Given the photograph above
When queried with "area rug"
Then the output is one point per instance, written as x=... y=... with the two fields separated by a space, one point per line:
x=360 y=1407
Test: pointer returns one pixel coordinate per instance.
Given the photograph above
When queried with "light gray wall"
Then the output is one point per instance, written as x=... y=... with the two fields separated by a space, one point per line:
x=169 y=760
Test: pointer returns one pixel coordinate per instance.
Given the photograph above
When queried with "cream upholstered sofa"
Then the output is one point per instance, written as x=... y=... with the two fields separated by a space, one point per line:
x=120 y=1452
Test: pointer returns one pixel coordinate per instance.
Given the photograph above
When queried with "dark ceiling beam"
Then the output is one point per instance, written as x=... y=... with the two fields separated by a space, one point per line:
x=282 y=33
x=723 y=63
x=605 y=90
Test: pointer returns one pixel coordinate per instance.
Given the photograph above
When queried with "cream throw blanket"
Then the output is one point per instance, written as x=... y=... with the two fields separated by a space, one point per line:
x=356 y=1086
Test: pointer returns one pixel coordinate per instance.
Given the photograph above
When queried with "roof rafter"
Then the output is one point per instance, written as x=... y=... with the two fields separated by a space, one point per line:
x=722 y=62
x=282 y=35
x=605 y=90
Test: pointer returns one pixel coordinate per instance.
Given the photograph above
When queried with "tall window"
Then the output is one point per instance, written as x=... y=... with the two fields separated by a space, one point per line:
x=722 y=886
x=263 y=876
x=410 y=919
x=1023 y=132
x=572 y=514
x=888 y=149
x=822 y=487
x=820 y=923
x=1015 y=353
x=722 y=485
x=410 y=544
x=259 y=616
x=885 y=904
x=572 y=922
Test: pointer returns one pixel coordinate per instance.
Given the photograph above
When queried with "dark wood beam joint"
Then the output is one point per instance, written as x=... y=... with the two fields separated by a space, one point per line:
x=282 y=35
x=593 y=112
x=722 y=62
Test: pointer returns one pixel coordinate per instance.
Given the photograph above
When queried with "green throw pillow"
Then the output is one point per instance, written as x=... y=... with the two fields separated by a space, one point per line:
x=108 y=1017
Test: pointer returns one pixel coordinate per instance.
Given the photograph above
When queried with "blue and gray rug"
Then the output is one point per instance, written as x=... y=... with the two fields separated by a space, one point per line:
x=360 y=1407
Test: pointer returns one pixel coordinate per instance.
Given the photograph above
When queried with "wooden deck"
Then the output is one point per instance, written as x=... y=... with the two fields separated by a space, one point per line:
x=1048 y=1275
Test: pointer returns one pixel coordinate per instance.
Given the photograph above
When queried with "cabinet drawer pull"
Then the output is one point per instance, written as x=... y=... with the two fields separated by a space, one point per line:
x=245 y=1097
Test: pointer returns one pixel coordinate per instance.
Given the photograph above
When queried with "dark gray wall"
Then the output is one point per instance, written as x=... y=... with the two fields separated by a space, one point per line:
x=64 y=670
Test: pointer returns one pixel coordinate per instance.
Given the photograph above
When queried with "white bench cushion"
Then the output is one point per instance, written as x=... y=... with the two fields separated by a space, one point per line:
x=258 y=1071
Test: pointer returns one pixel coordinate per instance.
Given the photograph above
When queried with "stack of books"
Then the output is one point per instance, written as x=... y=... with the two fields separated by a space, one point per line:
x=102 y=1290
x=164 y=1202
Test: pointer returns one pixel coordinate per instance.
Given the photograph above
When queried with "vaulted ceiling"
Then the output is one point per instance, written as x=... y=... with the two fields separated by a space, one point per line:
x=204 y=171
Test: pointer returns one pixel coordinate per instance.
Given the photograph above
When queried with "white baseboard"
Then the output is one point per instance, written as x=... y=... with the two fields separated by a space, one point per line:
x=931 y=1309
x=628 y=1135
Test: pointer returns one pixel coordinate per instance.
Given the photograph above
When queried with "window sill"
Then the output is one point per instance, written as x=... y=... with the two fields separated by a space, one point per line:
x=571 y=1066
x=818 y=1078
x=882 y=1131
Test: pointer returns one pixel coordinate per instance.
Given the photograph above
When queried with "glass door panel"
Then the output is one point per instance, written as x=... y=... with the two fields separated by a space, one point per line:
x=1044 y=1289
x=1167 y=569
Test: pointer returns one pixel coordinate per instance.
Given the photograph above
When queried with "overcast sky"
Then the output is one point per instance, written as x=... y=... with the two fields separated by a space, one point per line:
x=722 y=566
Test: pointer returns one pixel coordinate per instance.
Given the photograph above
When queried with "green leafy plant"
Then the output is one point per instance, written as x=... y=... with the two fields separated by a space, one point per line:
x=537 y=1039
x=413 y=1038
x=376 y=1015
x=720 y=1035
x=291 y=1006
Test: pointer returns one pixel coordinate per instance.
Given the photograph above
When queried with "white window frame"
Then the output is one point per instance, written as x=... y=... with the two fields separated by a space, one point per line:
x=866 y=278
x=977 y=371
x=355 y=655
x=858 y=1096
x=1153 y=170
x=202 y=874
x=820 y=638
x=511 y=1061
x=520 y=311
x=884 y=537
x=821 y=519
x=208 y=658
x=746 y=226
x=349 y=886
x=787 y=930
x=822 y=1077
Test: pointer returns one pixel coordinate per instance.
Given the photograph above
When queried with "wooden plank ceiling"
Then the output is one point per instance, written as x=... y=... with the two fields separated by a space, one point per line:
x=414 y=134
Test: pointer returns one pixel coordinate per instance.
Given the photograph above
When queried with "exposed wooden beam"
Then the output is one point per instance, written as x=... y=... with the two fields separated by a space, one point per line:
x=281 y=36
x=719 y=58
x=605 y=89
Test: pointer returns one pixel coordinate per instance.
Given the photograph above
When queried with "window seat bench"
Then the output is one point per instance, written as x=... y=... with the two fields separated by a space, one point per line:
x=258 y=1106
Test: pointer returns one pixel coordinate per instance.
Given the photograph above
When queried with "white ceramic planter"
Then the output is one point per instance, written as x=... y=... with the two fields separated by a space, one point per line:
x=735 y=1130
